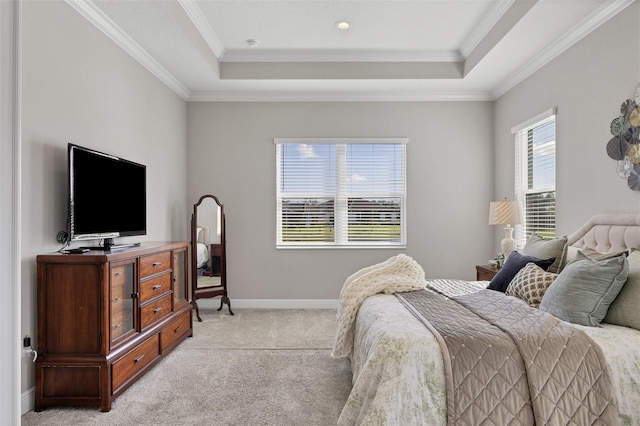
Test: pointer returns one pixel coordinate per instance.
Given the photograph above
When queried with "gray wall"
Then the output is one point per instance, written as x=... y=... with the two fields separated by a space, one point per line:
x=78 y=86
x=586 y=84
x=449 y=182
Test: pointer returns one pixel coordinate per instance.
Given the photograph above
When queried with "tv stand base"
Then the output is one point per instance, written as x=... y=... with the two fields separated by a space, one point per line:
x=112 y=247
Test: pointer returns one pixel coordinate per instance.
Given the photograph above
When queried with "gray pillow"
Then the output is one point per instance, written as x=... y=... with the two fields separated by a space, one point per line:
x=625 y=310
x=596 y=255
x=544 y=248
x=585 y=288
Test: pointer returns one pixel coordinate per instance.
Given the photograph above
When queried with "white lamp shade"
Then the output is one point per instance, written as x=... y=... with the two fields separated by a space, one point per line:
x=504 y=213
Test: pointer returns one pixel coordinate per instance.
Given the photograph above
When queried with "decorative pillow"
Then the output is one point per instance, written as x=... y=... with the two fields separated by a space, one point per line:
x=530 y=284
x=625 y=310
x=544 y=248
x=596 y=255
x=512 y=266
x=585 y=288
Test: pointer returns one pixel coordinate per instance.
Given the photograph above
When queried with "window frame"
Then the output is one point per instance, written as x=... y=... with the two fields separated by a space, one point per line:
x=341 y=213
x=522 y=166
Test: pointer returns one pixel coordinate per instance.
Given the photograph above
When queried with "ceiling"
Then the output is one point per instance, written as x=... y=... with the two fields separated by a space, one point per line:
x=394 y=50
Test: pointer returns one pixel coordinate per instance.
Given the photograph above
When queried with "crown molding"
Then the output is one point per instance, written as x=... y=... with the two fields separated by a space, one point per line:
x=575 y=34
x=342 y=55
x=339 y=96
x=474 y=38
x=202 y=24
x=101 y=21
x=94 y=15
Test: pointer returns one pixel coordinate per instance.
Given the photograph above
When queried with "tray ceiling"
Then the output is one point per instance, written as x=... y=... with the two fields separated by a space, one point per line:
x=266 y=50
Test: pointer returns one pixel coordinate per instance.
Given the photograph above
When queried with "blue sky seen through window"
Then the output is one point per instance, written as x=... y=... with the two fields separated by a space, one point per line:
x=544 y=156
x=370 y=169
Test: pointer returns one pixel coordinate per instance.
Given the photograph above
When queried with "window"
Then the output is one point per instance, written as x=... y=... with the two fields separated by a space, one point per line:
x=340 y=192
x=535 y=180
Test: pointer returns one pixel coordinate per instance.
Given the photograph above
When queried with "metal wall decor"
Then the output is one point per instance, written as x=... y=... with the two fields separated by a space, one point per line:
x=624 y=146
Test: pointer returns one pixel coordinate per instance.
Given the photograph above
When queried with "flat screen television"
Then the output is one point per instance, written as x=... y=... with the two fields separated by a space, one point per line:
x=107 y=197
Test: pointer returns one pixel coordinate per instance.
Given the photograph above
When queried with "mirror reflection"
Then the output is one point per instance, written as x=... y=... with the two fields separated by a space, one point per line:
x=209 y=252
x=208 y=234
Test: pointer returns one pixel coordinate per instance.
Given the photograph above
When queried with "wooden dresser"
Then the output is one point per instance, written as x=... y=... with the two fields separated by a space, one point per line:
x=106 y=318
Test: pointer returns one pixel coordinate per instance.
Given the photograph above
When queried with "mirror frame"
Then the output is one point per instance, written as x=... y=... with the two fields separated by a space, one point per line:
x=219 y=290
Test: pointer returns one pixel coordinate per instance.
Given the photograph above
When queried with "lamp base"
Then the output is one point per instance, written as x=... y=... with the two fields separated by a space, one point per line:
x=508 y=244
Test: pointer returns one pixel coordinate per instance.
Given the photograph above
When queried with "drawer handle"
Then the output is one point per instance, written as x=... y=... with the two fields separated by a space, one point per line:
x=117 y=326
x=117 y=274
x=137 y=360
x=116 y=299
x=157 y=286
x=177 y=329
x=156 y=264
x=156 y=310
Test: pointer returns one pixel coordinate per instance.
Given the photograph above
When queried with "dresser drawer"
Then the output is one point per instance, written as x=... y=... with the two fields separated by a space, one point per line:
x=154 y=264
x=121 y=319
x=133 y=362
x=155 y=310
x=175 y=330
x=117 y=320
x=155 y=287
x=119 y=276
x=118 y=293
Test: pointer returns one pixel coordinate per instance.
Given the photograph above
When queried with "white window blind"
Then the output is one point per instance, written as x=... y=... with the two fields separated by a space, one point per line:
x=535 y=180
x=345 y=193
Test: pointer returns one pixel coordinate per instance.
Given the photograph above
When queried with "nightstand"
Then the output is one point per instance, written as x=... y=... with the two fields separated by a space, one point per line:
x=485 y=272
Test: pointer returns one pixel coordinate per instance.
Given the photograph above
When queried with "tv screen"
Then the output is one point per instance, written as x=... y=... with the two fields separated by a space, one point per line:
x=107 y=196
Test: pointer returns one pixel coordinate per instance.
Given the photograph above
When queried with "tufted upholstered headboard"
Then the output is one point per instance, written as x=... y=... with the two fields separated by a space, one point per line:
x=607 y=233
x=203 y=236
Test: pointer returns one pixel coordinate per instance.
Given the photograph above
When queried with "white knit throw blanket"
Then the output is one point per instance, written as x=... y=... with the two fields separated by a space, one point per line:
x=396 y=274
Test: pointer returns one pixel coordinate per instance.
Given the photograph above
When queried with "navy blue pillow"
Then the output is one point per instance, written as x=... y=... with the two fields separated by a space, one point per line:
x=512 y=266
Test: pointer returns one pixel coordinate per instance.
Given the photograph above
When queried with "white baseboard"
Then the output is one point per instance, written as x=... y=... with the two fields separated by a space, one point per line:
x=271 y=303
x=27 y=401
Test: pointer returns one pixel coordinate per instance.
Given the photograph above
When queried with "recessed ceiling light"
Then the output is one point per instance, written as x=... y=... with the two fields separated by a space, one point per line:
x=343 y=25
x=252 y=42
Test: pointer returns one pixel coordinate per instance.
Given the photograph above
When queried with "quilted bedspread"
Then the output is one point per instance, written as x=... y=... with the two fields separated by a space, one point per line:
x=398 y=368
x=507 y=363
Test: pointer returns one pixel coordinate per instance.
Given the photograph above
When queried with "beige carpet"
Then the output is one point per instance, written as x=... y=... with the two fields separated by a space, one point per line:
x=208 y=281
x=259 y=367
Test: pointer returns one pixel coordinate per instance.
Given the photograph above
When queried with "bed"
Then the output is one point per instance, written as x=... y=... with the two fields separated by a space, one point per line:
x=398 y=364
x=202 y=251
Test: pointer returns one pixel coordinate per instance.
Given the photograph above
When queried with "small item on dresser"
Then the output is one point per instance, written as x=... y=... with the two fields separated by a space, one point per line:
x=76 y=250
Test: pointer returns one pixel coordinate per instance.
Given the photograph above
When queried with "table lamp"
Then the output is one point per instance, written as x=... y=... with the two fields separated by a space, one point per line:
x=505 y=212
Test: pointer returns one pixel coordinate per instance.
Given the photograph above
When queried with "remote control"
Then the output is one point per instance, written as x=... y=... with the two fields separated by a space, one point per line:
x=77 y=250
